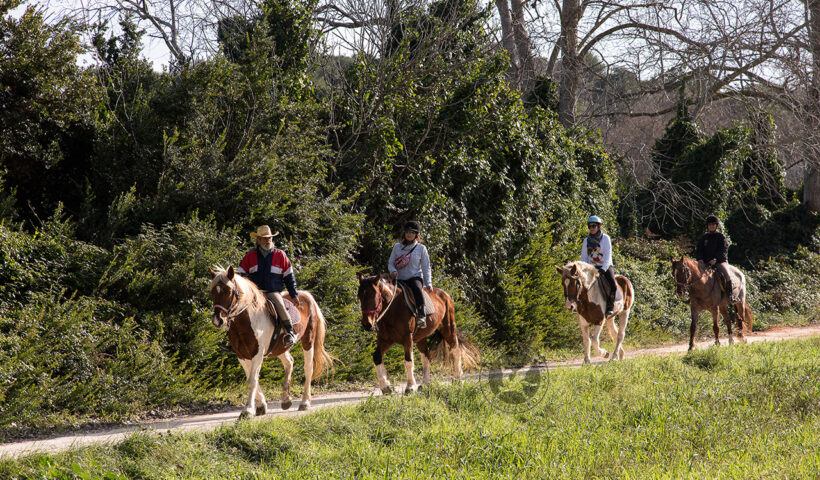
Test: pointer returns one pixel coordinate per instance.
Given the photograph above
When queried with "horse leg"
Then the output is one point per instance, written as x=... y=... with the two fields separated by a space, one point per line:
x=613 y=333
x=409 y=365
x=728 y=319
x=584 y=326
x=252 y=371
x=693 y=328
x=381 y=372
x=623 y=319
x=425 y=362
x=455 y=351
x=596 y=340
x=287 y=363
x=716 y=326
x=308 y=355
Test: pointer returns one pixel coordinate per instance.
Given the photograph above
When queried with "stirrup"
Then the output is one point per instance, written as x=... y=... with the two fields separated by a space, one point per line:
x=289 y=339
x=421 y=322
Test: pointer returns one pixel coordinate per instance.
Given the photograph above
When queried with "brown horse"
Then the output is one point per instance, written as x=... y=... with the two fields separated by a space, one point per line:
x=703 y=286
x=582 y=295
x=241 y=309
x=385 y=312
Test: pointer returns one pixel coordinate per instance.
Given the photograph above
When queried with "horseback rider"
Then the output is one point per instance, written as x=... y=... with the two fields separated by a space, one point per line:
x=270 y=269
x=597 y=250
x=713 y=250
x=410 y=262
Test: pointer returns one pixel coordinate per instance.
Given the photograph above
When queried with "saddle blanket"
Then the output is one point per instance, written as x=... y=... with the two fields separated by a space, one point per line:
x=429 y=309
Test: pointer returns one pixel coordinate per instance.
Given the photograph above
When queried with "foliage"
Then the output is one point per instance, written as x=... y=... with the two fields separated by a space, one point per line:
x=535 y=318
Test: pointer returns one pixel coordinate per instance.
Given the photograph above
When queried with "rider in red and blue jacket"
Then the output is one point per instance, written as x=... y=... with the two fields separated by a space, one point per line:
x=271 y=271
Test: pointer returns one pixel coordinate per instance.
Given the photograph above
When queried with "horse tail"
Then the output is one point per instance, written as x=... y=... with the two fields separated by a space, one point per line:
x=321 y=358
x=470 y=356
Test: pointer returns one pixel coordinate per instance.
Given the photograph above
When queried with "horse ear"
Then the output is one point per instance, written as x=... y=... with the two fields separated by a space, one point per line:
x=230 y=273
x=211 y=273
x=360 y=276
x=560 y=270
x=682 y=257
x=574 y=271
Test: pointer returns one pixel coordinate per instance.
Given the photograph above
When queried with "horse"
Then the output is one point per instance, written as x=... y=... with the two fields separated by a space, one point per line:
x=385 y=312
x=239 y=307
x=583 y=295
x=702 y=286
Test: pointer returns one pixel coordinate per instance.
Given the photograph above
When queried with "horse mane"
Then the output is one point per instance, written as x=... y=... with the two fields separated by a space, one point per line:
x=248 y=294
x=586 y=271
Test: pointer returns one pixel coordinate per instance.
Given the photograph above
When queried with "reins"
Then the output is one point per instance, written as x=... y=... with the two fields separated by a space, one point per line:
x=378 y=305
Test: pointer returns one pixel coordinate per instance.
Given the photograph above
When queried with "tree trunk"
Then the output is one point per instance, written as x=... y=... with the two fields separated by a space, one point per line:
x=508 y=38
x=526 y=63
x=811 y=185
x=570 y=64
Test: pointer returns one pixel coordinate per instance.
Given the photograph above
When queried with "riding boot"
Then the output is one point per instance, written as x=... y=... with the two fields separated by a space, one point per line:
x=290 y=336
x=610 y=305
x=421 y=319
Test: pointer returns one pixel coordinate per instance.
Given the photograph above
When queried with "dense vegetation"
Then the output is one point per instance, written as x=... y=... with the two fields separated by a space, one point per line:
x=120 y=186
x=745 y=412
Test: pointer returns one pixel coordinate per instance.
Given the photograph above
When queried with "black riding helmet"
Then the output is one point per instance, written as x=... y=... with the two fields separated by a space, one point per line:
x=412 y=226
x=712 y=219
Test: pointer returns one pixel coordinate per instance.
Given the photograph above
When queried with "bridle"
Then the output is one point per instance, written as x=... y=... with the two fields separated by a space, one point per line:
x=379 y=305
x=579 y=288
x=234 y=300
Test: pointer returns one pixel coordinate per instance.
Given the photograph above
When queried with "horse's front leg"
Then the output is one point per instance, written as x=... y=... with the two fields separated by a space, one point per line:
x=409 y=366
x=381 y=372
x=693 y=327
x=596 y=340
x=287 y=363
x=252 y=368
x=584 y=326
x=308 y=354
x=715 y=326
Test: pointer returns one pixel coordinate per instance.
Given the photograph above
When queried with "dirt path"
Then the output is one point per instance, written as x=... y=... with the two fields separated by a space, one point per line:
x=211 y=421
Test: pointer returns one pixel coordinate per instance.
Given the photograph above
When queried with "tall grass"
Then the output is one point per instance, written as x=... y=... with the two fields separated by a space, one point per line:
x=751 y=411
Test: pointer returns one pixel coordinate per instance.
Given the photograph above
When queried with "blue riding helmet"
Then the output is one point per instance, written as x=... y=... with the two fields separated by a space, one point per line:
x=594 y=219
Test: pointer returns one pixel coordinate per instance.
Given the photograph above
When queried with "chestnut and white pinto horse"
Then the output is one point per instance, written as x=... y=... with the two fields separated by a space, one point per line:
x=583 y=295
x=240 y=308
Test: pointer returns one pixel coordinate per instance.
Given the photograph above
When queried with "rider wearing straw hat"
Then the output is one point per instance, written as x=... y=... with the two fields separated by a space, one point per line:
x=597 y=250
x=271 y=271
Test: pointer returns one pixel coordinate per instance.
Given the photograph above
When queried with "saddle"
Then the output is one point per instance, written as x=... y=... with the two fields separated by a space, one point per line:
x=605 y=288
x=429 y=308
x=278 y=329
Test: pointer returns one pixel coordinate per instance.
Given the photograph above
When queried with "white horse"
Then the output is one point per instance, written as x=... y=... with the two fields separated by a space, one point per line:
x=583 y=295
x=241 y=309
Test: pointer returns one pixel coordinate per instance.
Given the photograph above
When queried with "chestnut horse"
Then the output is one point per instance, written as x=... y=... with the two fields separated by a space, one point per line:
x=703 y=286
x=385 y=312
x=240 y=308
x=583 y=295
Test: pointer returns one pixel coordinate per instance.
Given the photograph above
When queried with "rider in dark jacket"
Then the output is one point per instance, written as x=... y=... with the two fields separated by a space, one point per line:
x=713 y=250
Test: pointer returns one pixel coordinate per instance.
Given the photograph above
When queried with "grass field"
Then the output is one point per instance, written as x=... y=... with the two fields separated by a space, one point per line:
x=750 y=411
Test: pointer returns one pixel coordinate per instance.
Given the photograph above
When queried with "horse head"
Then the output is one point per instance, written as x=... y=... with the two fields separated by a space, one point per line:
x=573 y=285
x=371 y=299
x=224 y=294
x=682 y=275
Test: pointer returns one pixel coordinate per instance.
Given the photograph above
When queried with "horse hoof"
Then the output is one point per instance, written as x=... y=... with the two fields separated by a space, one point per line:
x=387 y=391
x=261 y=410
x=587 y=361
x=606 y=355
x=303 y=406
x=408 y=391
x=286 y=405
x=419 y=388
x=246 y=414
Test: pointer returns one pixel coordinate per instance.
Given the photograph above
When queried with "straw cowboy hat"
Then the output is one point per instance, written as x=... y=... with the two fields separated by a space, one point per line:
x=263 y=232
